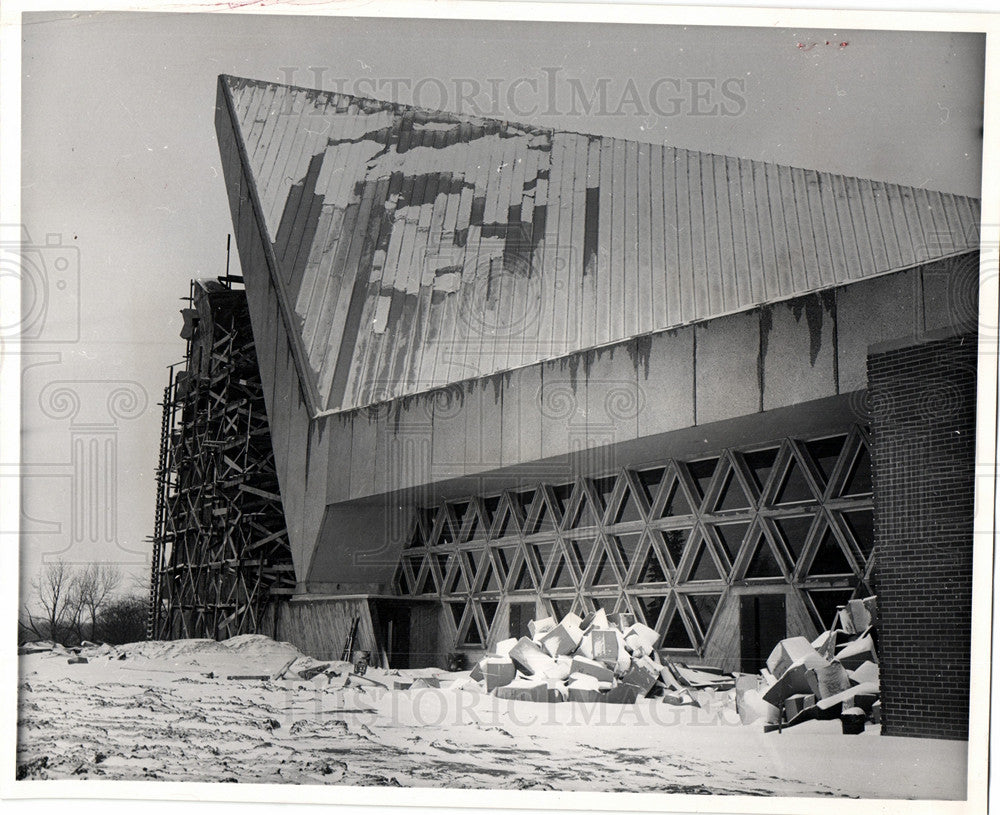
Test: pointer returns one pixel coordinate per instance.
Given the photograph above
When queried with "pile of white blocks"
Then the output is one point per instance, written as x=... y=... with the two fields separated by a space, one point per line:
x=835 y=675
x=597 y=658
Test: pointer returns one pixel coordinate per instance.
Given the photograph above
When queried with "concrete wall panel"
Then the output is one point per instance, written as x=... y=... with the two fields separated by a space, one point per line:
x=359 y=547
x=951 y=294
x=483 y=428
x=386 y=475
x=666 y=382
x=798 y=350
x=612 y=394
x=870 y=312
x=293 y=495
x=521 y=429
x=451 y=415
x=338 y=430
x=563 y=409
x=317 y=465
x=409 y=449
x=727 y=351
x=363 y=453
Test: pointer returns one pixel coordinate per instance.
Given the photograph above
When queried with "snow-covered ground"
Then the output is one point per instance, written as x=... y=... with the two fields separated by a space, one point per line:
x=169 y=711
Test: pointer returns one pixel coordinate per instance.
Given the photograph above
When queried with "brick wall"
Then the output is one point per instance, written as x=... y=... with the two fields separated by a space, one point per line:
x=922 y=401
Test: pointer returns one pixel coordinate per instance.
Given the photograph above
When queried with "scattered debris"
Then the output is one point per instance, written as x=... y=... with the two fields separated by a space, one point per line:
x=77 y=660
x=354 y=679
x=598 y=658
x=42 y=646
x=278 y=674
x=613 y=659
x=834 y=676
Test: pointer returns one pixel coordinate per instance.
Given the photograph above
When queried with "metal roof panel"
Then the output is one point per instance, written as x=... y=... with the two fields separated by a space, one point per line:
x=416 y=249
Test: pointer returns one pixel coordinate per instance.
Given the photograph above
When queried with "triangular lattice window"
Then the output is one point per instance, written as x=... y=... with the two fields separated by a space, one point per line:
x=829 y=558
x=675 y=540
x=626 y=546
x=824 y=604
x=861 y=525
x=559 y=576
x=763 y=562
x=794 y=486
x=731 y=537
x=649 y=482
x=794 y=533
x=651 y=606
x=732 y=496
x=701 y=473
x=628 y=508
x=825 y=453
x=675 y=501
x=675 y=634
x=604 y=570
x=859 y=476
x=703 y=565
x=653 y=569
x=703 y=608
x=761 y=463
x=521 y=579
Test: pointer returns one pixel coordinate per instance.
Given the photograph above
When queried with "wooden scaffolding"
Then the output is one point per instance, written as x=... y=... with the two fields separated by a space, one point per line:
x=221 y=559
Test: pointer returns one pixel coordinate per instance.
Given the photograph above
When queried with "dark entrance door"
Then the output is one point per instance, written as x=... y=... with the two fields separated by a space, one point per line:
x=408 y=632
x=393 y=632
x=762 y=626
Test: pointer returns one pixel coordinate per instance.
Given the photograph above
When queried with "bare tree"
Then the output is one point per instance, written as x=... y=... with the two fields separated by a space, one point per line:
x=53 y=589
x=30 y=628
x=95 y=586
x=123 y=619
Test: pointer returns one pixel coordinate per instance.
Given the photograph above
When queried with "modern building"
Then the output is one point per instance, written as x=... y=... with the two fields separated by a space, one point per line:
x=513 y=372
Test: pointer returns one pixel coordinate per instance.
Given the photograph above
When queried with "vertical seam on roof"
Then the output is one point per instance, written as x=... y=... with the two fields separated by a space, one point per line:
x=840 y=226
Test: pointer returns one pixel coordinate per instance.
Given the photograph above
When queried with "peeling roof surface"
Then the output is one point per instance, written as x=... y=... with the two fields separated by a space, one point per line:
x=419 y=248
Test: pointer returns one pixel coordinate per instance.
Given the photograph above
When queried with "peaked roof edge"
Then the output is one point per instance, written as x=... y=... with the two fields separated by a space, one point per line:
x=307 y=387
x=310 y=393
x=458 y=118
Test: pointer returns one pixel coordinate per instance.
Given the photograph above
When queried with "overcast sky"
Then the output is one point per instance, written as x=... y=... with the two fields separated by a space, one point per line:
x=120 y=157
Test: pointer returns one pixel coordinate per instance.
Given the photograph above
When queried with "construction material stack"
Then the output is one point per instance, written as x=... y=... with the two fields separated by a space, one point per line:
x=834 y=676
x=613 y=659
x=597 y=658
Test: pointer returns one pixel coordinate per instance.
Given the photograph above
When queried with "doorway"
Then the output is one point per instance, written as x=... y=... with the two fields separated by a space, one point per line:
x=762 y=626
x=409 y=632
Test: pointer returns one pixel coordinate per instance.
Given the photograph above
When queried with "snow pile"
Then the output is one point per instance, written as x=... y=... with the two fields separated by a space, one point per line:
x=172 y=649
x=257 y=645
x=247 y=654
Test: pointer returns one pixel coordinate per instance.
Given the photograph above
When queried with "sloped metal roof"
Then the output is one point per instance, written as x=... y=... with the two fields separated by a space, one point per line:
x=420 y=248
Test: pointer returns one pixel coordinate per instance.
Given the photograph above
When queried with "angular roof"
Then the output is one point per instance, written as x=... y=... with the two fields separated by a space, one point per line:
x=419 y=248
